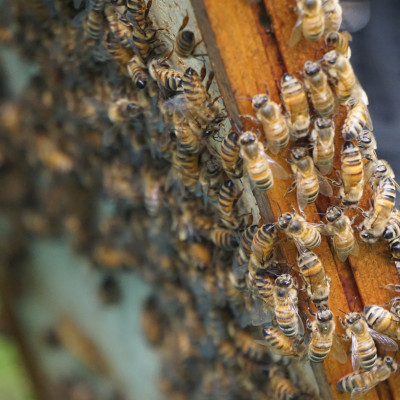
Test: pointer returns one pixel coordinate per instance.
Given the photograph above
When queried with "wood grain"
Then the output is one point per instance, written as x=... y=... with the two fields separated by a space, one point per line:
x=248 y=46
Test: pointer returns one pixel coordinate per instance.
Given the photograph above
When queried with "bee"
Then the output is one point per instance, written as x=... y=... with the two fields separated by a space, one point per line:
x=324 y=147
x=352 y=175
x=339 y=41
x=246 y=237
x=260 y=167
x=184 y=41
x=264 y=287
x=138 y=11
x=392 y=234
x=122 y=55
x=367 y=144
x=309 y=180
x=383 y=321
x=195 y=92
x=323 y=338
x=281 y=387
x=356 y=121
x=273 y=122
x=376 y=219
x=297 y=228
x=339 y=67
x=263 y=243
x=395 y=309
x=359 y=383
x=188 y=166
x=120 y=30
x=311 y=21
x=94 y=24
x=137 y=72
x=281 y=344
x=224 y=238
x=187 y=139
x=339 y=227
x=363 y=349
x=227 y=198
x=230 y=154
x=295 y=99
x=313 y=273
x=379 y=170
x=165 y=76
x=123 y=110
x=321 y=94
x=285 y=302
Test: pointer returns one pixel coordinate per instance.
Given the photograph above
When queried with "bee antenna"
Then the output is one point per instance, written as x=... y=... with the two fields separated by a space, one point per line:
x=320 y=213
x=354 y=305
x=279 y=206
x=245 y=98
x=344 y=312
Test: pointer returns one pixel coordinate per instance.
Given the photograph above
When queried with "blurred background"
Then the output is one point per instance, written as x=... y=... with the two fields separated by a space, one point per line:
x=376 y=60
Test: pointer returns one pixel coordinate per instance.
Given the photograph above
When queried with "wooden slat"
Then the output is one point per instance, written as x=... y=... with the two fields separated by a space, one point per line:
x=248 y=46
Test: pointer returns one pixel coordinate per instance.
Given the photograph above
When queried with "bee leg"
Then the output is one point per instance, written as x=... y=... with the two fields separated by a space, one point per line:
x=250 y=117
x=291 y=188
x=146 y=14
x=209 y=81
x=344 y=337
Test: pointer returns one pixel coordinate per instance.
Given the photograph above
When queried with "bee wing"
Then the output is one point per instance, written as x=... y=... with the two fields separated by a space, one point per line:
x=355 y=362
x=355 y=14
x=260 y=316
x=324 y=187
x=296 y=32
x=277 y=170
x=300 y=195
x=294 y=308
x=355 y=249
x=386 y=342
x=357 y=393
x=338 y=350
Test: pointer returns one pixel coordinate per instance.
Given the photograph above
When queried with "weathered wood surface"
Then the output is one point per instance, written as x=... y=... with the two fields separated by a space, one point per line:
x=247 y=43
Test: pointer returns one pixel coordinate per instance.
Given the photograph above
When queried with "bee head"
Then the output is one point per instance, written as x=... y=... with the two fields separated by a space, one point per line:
x=310 y=4
x=247 y=138
x=259 y=100
x=311 y=68
x=368 y=237
x=364 y=140
x=283 y=281
x=190 y=72
x=187 y=36
x=388 y=234
x=348 y=145
x=352 y=318
x=331 y=57
x=287 y=78
x=333 y=213
x=284 y=220
x=331 y=38
x=233 y=136
x=390 y=363
x=395 y=247
x=299 y=153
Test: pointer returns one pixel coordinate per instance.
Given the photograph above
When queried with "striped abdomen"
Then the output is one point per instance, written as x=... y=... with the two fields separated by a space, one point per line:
x=313 y=26
x=286 y=318
x=184 y=43
x=346 y=83
x=224 y=238
x=366 y=349
x=392 y=230
x=319 y=347
x=322 y=96
x=356 y=380
x=260 y=173
x=277 y=133
x=309 y=188
x=311 y=268
x=169 y=78
x=193 y=88
x=187 y=139
x=230 y=150
x=226 y=197
x=309 y=236
x=352 y=166
x=94 y=24
x=282 y=388
x=383 y=321
x=137 y=8
x=294 y=97
x=263 y=242
x=279 y=342
x=355 y=121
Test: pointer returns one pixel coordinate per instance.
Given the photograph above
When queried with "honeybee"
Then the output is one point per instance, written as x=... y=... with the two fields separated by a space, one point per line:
x=94 y=24
x=333 y=14
x=359 y=383
x=224 y=238
x=392 y=234
x=188 y=167
x=246 y=237
x=356 y=120
x=187 y=139
x=323 y=338
x=184 y=41
x=321 y=94
x=376 y=219
x=123 y=110
x=297 y=228
x=281 y=387
x=363 y=349
x=120 y=30
x=281 y=344
x=311 y=21
x=166 y=77
x=195 y=92
x=324 y=147
x=309 y=180
x=273 y=122
x=352 y=175
x=138 y=11
x=383 y=321
x=285 y=302
x=313 y=273
x=367 y=144
x=230 y=155
x=260 y=167
x=227 y=197
x=137 y=72
x=395 y=309
x=295 y=99
x=263 y=243
x=377 y=170
x=339 y=227
x=347 y=86
x=339 y=41
x=122 y=55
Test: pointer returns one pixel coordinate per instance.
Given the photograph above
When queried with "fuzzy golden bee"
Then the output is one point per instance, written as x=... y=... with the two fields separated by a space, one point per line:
x=259 y=166
x=360 y=382
x=294 y=98
x=383 y=321
x=309 y=181
x=339 y=41
x=366 y=142
x=165 y=76
x=323 y=137
x=321 y=95
x=281 y=387
x=230 y=154
x=184 y=41
x=285 y=306
x=311 y=21
x=356 y=121
x=298 y=229
x=137 y=71
x=352 y=175
x=339 y=227
x=281 y=344
x=263 y=243
x=323 y=338
x=269 y=114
